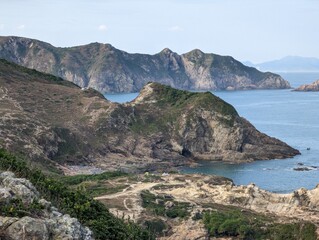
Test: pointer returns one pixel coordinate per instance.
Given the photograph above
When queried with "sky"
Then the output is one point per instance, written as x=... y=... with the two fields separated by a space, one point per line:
x=249 y=30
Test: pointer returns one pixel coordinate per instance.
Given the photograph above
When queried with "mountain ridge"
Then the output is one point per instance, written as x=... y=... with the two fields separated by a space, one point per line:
x=107 y=69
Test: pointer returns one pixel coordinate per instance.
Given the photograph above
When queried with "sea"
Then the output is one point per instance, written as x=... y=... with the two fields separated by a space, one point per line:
x=292 y=117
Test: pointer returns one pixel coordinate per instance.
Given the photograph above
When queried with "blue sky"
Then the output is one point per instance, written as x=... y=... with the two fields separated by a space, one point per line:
x=255 y=30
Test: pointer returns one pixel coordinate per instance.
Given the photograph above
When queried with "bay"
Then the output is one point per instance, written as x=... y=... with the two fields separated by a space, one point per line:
x=292 y=117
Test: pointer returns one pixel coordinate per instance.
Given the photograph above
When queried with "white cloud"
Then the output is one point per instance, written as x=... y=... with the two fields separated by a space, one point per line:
x=175 y=29
x=21 y=27
x=103 y=27
x=1 y=26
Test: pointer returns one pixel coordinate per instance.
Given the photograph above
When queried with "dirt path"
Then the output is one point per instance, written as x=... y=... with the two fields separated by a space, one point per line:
x=132 y=190
x=130 y=198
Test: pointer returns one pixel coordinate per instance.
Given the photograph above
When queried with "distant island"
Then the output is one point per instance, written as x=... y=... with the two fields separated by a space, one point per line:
x=109 y=70
x=312 y=87
x=288 y=64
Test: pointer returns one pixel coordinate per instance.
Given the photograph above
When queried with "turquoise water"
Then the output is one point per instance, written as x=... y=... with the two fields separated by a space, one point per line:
x=290 y=116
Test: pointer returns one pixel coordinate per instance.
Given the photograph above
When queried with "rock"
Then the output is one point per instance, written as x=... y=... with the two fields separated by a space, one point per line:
x=55 y=213
x=108 y=69
x=46 y=204
x=27 y=228
x=5 y=222
x=303 y=169
x=4 y=175
x=65 y=227
x=20 y=187
x=169 y=204
x=313 y=87
x=159 y=201
x=5 y=195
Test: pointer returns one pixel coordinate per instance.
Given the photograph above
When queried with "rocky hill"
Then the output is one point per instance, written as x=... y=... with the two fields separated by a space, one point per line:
x=313 y=87
x=49 y=118
x=25 y=215
x=107 y=69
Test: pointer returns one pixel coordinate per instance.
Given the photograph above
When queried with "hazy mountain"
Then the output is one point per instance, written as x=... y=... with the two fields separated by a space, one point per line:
x=107 y=69
x=288 y=64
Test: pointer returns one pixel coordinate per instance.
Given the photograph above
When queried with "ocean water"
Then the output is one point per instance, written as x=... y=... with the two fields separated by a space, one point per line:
x=292 y=117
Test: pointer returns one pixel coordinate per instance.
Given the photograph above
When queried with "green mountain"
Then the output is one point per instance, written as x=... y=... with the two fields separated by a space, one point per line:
x=46 y=117
x=107 y=69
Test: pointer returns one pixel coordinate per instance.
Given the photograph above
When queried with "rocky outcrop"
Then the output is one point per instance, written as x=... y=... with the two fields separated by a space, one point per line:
x=313 y=87
x=52 y=119
x=302 y=203
x=47 y=223
x=107 y=69
x=210 y=193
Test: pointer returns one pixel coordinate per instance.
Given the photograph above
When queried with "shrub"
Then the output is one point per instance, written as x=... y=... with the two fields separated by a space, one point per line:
x=249 y=226
x=156 y=226
x=179 y=209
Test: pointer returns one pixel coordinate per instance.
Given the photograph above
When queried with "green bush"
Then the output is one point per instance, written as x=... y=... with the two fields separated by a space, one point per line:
x=179 y=209
x=249 y=226
x=77 y=179
x=16 y=208
x=300 y=231
x=156 y=226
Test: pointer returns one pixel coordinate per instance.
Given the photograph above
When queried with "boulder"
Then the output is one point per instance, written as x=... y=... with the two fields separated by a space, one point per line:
x=27 y=228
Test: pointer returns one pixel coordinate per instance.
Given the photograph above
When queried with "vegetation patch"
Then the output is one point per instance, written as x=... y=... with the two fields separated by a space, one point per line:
x=167 y=186
x=98 y=188
x=241 y=225
x=16 y=208
x=77 y=179
x=164 y=205
x=156 y=226
x=170 y=104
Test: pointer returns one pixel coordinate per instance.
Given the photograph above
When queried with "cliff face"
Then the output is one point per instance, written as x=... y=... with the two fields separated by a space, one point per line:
x=313 y=87
x=107 y=69
x=37 y=219
x=47 y=117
